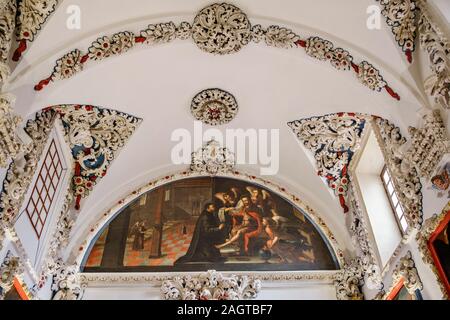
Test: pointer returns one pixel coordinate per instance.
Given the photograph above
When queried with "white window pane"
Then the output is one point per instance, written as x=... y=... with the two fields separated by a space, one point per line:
x=47 y=203
x=34 y=218
x=399 y=211
x=390 y=188
x=52 y=171
x=55 y=181
x=394 y=199
x=39 y=206
x=386 y=176
x=39 y=183
x=48 y=161
x=52 y=149
x=404 y=224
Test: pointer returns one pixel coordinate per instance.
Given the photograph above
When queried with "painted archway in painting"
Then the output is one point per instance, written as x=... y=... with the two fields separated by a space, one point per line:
x=167 y=229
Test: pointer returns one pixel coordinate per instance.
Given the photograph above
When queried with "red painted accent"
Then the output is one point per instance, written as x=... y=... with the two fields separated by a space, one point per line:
x=77 y=169
x=408 y=53
x=77 y=202
x=355 y=67
x=343 y=205
x=139 y=39
x=23 y=295
x=301 y=43
x=396 y=290
x=42 y=84
x=20 y=50
x=84 y=58
x=433 y=252
x=392 y=93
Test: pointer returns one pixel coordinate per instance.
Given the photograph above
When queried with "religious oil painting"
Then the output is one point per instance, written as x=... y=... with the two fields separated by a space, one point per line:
x=198 y=224
x=439 y=245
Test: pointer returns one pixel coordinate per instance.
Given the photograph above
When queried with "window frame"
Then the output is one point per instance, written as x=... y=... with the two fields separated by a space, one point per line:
x=390 y=195
x=42 y=213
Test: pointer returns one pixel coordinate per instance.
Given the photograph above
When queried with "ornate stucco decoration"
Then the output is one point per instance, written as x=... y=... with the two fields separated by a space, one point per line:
x=404 y=176
x=10 y=143
x=212 y=159
x=218 y=29
x=31 y=16
x=360 y=237
x=10 y=268
x=221 y=29
x=423 y=241
x=211 y=285
x=8 y=8
x=349 y=281
x=94 y=135
x=406 y=270
x=401 y=17
x=214 y=107
x=66 y=282
x=437 y=46
x=333 y=139
x=428 y=144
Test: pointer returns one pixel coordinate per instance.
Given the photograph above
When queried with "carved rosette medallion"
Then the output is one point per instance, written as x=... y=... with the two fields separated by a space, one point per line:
x=221 y=29
x=214 y=107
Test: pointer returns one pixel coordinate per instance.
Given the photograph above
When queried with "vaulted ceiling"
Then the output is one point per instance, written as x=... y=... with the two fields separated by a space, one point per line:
x=272 y=86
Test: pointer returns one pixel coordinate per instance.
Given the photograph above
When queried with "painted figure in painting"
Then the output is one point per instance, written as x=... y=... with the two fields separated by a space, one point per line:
x=246 y=225
x=208 y=233
x=138 y=231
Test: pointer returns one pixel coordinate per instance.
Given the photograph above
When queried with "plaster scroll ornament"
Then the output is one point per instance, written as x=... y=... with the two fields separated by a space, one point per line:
x=10 y=143
x=220 y=29
x=212 y=159
x=66 y=282
x=429 y=144
x=10 y=268
x=2 y=236
x=437 y=46
x=423 y=238
x=31 y=16
x=211 y=285
x=7 y=27
x=349 y=281
x=407 y=271
x=405 y=177
x=401 y=17
x=214 y=107
x=94 y=135
x=333 y=139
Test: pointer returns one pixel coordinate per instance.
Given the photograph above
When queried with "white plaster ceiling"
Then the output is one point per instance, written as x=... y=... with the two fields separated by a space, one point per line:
x=272 y=86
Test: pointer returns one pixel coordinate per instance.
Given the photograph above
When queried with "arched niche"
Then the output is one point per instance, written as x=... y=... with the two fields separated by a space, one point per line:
x=164 y=230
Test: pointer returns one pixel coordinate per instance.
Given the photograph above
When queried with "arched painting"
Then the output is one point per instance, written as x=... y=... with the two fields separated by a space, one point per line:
x=210 y=223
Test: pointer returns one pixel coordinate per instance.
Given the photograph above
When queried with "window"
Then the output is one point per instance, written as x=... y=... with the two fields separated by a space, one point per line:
x=44 y=190
x=393 y=199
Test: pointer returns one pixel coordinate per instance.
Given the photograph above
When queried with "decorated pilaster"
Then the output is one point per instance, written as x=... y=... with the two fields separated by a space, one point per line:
x=66 y=282
x=349 y=280
x=10 y=143
x=9 y=269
